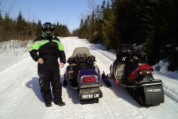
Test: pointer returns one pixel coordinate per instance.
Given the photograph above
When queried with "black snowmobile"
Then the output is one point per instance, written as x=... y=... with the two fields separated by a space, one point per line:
x=137 y=77
x=83 y=75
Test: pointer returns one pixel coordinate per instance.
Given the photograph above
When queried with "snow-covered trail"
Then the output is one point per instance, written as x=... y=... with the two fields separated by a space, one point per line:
x=20 y=95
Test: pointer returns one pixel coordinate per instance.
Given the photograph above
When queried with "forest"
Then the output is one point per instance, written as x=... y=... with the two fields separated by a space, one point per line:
x=149 y=22
x=21 y=29
x=114 y=23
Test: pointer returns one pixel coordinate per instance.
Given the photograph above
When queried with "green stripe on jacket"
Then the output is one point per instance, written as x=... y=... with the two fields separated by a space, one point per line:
x=60 y=46
x=37 y=44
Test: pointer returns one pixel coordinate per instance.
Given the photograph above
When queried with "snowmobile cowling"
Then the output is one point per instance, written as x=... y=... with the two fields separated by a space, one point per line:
x=144 y=68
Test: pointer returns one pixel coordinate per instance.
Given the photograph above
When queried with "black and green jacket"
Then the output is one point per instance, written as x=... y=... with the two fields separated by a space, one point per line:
x=48 y=48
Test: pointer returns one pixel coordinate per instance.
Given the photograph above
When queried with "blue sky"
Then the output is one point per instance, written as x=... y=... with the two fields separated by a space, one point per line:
x=67 y=12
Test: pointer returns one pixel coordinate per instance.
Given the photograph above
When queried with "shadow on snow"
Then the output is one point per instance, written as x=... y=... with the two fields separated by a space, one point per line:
x=120 y=92
x=72 y=93
x=34 y=85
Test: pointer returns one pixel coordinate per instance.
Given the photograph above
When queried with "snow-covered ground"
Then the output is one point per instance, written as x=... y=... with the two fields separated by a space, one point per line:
x=20 y=95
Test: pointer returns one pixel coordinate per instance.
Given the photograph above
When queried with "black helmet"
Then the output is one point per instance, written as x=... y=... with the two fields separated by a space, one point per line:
x=48 y=27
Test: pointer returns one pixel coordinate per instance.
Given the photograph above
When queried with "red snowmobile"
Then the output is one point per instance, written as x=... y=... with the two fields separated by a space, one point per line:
x=137 y=78
x=83 y=75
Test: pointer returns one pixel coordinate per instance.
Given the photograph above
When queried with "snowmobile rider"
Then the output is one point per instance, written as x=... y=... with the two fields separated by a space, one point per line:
x=46 y=49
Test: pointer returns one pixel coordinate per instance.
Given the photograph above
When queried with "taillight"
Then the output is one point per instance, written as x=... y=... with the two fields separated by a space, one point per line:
x=143 y=72
x=89 y=79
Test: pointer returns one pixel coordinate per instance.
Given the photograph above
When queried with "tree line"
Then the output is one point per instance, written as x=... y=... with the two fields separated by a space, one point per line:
x=150 y=22
x=21 y=29
x=113 y=23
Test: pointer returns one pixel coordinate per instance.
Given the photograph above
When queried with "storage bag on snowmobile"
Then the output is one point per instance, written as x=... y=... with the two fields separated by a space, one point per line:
x=81 y=57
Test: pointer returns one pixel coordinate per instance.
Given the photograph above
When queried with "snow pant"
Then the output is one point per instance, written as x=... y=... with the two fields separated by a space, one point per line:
x=49 y=76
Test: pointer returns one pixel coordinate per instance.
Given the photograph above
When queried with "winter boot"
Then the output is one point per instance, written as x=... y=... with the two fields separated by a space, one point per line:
x=48 y=104
x=60 y=103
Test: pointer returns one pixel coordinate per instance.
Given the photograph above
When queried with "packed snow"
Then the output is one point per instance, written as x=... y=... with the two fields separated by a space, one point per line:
x=21 y=99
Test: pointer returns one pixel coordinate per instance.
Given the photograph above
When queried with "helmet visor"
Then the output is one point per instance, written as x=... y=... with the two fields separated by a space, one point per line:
x=48 y=29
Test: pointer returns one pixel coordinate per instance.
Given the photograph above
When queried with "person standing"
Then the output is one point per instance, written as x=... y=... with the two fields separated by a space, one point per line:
x=46 y=50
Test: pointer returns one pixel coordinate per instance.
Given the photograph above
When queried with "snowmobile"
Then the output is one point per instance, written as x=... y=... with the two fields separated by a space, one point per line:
x=137 y=78
x=83 y=75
